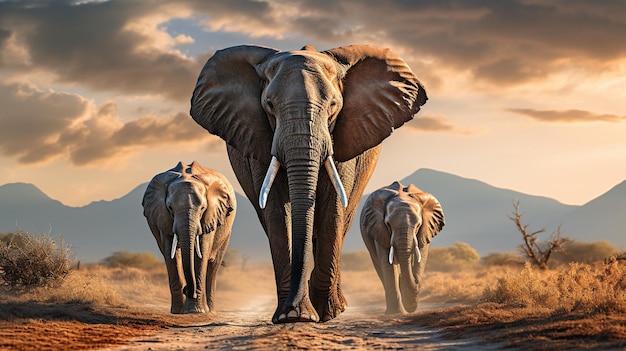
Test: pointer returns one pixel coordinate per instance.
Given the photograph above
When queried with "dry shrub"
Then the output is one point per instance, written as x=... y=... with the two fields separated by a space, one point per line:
x=451 y=258
x=581 y=252
x=78 y=287
x=460 y=286
x=577 y=287
x=134 y=286
x=502 y=259
x=30 y=261
x=124 y=259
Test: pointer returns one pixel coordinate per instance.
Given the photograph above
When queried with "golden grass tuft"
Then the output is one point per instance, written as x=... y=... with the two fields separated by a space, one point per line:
x=577 y=287
x=78 y=287
x=28 y=260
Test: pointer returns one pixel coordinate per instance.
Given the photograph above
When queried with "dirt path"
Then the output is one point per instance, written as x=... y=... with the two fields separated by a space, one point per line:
x=356 y=329
x=243 y=322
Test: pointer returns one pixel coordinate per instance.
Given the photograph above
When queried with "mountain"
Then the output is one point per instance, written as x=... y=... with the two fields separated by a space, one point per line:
x=603 y=218
x=476 y=213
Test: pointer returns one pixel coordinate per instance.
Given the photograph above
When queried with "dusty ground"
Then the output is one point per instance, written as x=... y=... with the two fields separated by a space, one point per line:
x=246 y=301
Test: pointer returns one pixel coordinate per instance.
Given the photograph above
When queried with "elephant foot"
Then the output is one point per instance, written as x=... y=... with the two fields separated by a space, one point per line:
x=193 y=306
x=176 y=310
x=178 y=305
x=301 y=313
x=329 y=305
x=395 y=311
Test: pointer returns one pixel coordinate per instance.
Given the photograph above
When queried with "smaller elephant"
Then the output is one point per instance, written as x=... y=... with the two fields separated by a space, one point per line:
x=397 y=224
x=190 y=210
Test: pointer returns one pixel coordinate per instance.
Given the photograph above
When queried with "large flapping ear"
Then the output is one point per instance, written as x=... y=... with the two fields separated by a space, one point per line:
x=227 y=100
x=154 y=207
x=433 y=218
x=220 y=197
x=380 y=93
x=373 y=212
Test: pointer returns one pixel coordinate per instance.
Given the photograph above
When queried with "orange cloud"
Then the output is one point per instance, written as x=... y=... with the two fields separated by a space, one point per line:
x=36 y=126
x=567 y=116
x=431 y=123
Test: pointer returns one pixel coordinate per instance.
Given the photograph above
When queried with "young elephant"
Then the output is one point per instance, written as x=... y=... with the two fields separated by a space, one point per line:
x=397 y=225
x=190 y=211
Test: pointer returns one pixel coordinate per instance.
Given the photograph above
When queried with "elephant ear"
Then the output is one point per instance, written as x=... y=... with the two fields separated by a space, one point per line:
x=154 y=207
x=373 y=212
x=433 y=218
x=219 y=195
x=380 y=93
x=227 y=100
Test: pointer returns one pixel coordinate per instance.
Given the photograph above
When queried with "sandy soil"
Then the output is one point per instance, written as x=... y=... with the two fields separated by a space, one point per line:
x=239 y=330
x=242 y=321
x=245 y=303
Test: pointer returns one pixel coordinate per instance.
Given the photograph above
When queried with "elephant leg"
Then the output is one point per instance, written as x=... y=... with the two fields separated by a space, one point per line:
x=325 y=289
x=174 y=268
x=325 y=284
x=391 y=280
x=278 y=229
x=274 y=218
x=199 y=304
x=332 y=221
x=371 y=248
x=211 y=283
x=174 y=276
x=211 y=278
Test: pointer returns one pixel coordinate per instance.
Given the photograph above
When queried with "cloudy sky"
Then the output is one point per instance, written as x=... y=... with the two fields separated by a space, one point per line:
x=525 y=95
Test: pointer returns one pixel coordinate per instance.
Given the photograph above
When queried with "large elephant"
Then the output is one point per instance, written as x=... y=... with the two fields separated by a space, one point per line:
x=190 y=210
x=397 y=224
x=284 y=117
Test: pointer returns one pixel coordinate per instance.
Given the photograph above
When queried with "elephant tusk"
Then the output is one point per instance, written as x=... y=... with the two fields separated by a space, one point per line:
x=417 y=250
x=198 y=251
x=267 y=182
x=391 y=255
x=174 y=243
x=334 y=177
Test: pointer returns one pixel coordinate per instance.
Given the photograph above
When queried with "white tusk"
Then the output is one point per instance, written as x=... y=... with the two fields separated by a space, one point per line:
x=198 y=252
x=267 y=182
x=334 y=177
x=391 y=254
x=174 y=243
x=417 y=250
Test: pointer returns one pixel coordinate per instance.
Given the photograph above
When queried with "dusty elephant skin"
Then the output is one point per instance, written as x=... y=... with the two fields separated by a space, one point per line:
x=307 y=125
x=190 y=211
x=397 y=224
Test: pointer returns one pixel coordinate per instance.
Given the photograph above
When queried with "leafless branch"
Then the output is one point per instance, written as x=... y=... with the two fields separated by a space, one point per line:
x=531 y=247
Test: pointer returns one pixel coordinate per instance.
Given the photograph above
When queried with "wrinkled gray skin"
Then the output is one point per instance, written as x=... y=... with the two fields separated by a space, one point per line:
x=299 y=110
x=198 y=205
x=405 y=218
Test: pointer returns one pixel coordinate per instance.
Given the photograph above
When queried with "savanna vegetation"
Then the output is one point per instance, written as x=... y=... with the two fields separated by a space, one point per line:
x=579 y=301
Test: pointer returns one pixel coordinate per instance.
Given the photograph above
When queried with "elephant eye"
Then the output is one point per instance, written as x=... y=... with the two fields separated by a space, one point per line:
x=269 y=103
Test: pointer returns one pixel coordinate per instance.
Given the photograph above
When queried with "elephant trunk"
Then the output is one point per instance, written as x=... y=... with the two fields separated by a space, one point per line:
x=187 y=234
x=302 y=177
x=409 y=283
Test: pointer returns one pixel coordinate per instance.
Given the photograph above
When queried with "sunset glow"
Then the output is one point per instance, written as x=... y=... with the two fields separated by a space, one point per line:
x=524 y=95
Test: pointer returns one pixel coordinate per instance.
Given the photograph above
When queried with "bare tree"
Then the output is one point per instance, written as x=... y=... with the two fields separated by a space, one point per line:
x=535 y=251
x=615 y=258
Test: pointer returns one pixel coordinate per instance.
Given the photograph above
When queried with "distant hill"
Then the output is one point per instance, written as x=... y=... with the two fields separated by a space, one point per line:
x=603 y=218
x=476 y=213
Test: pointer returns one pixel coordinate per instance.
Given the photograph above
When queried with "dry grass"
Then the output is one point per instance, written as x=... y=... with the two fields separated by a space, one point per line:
x=574 y=306
x=576 y=287
x=30 y=260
